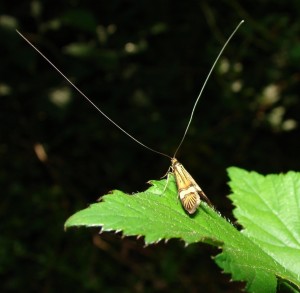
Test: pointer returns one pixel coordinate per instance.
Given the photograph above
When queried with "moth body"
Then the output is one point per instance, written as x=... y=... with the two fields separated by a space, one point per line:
x=189 y=192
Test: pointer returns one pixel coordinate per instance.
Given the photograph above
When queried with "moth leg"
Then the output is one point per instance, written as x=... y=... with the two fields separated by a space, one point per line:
x=168 y=176
x=167 y=173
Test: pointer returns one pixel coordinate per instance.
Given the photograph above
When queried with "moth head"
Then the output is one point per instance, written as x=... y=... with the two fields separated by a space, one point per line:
x=174 y=161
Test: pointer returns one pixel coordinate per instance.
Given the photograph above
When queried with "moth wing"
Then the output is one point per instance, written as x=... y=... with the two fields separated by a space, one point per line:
x=190 y=199
x=197 y=187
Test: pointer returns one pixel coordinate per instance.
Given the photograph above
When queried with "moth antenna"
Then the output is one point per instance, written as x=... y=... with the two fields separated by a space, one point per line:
x=203 y=86
x=89 y=100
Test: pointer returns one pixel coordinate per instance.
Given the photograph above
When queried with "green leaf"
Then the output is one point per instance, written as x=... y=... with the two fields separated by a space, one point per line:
x=106 y=58
x=80 y=19
x=154 y=214
x=268 y=207
x=158 y=215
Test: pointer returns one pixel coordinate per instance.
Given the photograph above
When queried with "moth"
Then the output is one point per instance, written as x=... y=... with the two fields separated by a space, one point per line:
x=189 y=192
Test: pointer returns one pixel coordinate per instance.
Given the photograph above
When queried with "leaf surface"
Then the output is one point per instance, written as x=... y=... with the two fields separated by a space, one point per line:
x=268 y=207
x=157 y=215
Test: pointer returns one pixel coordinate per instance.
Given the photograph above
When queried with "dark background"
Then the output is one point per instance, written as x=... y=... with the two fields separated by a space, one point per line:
x=143 y=63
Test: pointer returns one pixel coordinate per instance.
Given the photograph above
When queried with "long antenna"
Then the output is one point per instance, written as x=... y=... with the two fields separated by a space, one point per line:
x=89 y=100
x=204 y=84
x=109 y=119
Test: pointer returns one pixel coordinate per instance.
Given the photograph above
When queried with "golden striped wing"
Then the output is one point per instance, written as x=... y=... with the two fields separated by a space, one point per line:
x=189 y=191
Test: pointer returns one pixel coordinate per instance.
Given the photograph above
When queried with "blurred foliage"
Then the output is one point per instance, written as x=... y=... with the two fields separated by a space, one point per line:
x=143 y=63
